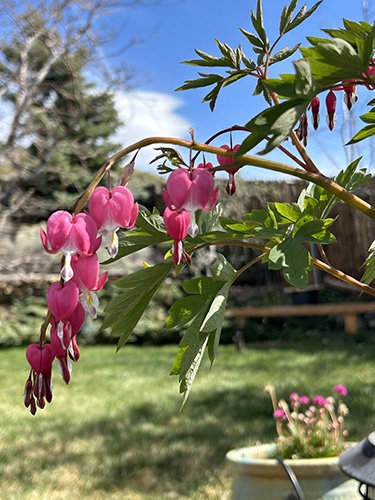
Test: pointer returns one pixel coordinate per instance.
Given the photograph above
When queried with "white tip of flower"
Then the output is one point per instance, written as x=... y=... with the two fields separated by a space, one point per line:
x=60 y=333
x=193 y=229
x=67 y=271
x=71 y=350
x=90 y=302
x=112 y=242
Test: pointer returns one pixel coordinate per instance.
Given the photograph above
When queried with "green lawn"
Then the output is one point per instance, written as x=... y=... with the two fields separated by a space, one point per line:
x=116 y=433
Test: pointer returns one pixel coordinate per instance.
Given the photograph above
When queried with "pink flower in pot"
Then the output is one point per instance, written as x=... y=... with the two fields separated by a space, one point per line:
x=191 y=191
x=176 y=224
x=70 y=235
x=112 y=210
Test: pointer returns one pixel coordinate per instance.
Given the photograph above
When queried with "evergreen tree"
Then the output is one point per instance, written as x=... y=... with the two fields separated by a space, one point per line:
x=64 y=134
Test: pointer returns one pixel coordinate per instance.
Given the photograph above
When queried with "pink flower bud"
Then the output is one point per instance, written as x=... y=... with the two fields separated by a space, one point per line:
x=177 y=223
x=223 y=160
x=315 y=105
x=279 y=415
x=331 y=109
x=340 y=389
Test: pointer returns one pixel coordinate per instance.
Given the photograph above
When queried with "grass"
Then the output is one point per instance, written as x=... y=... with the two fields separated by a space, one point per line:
x=115 y=432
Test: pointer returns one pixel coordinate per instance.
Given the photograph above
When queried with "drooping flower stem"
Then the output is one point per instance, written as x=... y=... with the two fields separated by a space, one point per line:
x=254 y=161
x=316 y=263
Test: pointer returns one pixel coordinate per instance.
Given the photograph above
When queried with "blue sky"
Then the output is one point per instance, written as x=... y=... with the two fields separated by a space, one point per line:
x=173 y=31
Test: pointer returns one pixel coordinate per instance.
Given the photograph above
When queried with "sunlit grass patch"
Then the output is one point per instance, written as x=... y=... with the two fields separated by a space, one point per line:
x=116 y=432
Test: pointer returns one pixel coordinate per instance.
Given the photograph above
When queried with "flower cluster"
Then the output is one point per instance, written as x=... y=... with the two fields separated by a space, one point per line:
x=76 y=237
x=187 y=191
x=310 y=427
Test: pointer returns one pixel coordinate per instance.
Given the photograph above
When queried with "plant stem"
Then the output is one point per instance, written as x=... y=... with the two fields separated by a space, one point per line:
x=254 y=161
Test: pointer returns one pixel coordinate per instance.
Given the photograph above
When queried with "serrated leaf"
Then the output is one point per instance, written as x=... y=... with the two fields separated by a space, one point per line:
x=222 y=269
x=189 y=377
x=126 y=309
x=286 y=16
x=184 y=310
x=249 y=143
x=294 y=259
x=301 y=16
x=283 y=54
x=205 y=81
x=212 y=96
x=258 y=23
x=208 y=219
x=283 y=86
x=150 y=222
x=206 y=60
x=278 y=121
x=252 y=38
x=305 y=86
x=364 y=133
x=285 y=213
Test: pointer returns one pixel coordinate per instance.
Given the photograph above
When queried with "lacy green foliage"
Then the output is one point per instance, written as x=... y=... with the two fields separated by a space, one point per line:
x=346 y=55
x=235 y=59
x=315 y=447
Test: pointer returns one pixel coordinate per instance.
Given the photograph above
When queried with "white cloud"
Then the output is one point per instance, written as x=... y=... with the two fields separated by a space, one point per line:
x=5 y=119
x=148 y=114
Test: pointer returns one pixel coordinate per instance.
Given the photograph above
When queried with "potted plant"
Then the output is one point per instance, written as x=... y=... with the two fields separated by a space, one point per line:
x=311 y=436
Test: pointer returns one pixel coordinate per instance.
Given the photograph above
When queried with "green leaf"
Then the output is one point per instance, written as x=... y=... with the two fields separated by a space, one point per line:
x=206 y=220
x=188 y=379
x=284 y=212
x=252 y=38
x=278 y=121
x=232 y=79
x=283 y=86
x=301 y=16
x=369 y=274
x=286 y=16
x=136 y=240
x=207 y=79
x=294 y=259
x=151 y=222
x=284 y=54
x=364 y=133
x=222 y=269
x=314 y=231
x=206 y=60
x=249 y=143
x=258 y=23
x=126 y=309
x=212 y=96
x=228 y=53
x=304 y=84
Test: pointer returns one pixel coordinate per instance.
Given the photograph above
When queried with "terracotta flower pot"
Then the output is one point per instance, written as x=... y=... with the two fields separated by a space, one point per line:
x=257 y=477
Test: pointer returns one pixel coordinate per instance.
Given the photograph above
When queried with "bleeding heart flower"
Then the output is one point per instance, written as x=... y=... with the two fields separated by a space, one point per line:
x=40 y=359
x=176 y=224
x=223 y=160
x=62 y=300
x=191 y=192
x=350 y=96
x=331 y=109
x=112 y=210
x=70 y=235
x=86 y=276
x=315 y=105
